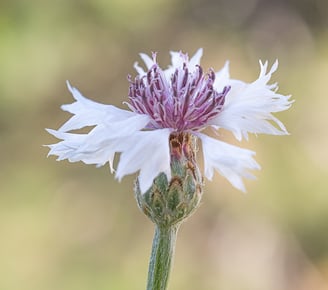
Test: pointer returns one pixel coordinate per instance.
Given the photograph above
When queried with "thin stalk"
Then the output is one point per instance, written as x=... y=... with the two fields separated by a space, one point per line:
x=161 y=257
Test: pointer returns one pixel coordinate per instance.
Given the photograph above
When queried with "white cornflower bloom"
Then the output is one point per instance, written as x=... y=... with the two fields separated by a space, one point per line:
x=181 y=98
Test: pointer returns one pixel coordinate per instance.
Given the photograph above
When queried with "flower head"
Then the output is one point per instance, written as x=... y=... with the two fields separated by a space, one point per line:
x=181 y=99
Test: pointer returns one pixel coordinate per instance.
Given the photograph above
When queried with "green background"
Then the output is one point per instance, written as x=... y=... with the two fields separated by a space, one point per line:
x=69 y=226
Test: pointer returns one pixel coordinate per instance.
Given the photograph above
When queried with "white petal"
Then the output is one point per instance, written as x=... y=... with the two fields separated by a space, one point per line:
x=248 y=108
x=222 y=77
x=230 y=161
x=139 y=69
x=147 y=151
x=100 y=144
x=89 y=113
x=177 y=59
x=195 y=60
x=149 y=62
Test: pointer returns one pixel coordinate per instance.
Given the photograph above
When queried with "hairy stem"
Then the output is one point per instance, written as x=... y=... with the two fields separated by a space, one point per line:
x=161 y=257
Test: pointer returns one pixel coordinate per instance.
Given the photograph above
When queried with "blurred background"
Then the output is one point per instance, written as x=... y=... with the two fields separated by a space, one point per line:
x=70 y=226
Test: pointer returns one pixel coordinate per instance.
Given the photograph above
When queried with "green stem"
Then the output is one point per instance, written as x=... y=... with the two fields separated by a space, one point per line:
x=161 y=257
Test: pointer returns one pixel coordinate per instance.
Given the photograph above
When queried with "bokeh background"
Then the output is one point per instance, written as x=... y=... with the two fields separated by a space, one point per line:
x=70 y=226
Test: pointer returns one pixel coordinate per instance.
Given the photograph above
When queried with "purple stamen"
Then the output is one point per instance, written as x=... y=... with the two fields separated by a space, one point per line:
x=187 y=102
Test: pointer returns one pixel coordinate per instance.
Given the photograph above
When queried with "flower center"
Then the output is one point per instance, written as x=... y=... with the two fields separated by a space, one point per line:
x=185 y=102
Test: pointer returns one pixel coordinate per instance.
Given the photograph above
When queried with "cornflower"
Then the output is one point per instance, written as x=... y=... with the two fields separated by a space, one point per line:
x=167 y=112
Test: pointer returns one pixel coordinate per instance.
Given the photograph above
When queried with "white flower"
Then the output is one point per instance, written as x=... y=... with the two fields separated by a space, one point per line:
x=179 y=99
